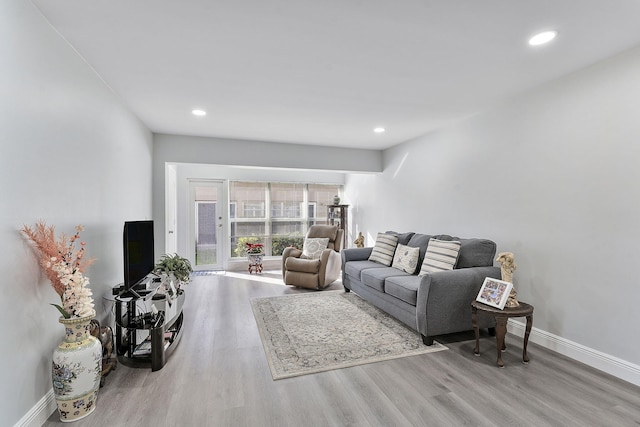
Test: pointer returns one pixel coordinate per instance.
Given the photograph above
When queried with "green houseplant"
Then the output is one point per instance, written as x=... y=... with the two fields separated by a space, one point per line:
x=173 y=266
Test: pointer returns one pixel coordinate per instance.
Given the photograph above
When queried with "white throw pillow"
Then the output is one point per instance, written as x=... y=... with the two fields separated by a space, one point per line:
x=313 y=247
x=406 y=258
x=384 y=249
x=441 y=255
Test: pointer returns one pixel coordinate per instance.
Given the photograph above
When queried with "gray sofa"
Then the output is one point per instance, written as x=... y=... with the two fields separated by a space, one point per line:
x=434 y=304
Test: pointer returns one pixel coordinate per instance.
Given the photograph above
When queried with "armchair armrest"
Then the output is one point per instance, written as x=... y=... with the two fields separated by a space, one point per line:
x=329 y=267
x=446 y=298
x=289 y=252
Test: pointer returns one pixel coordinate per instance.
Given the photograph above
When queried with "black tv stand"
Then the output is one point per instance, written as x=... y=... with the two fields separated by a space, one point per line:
x=145 y=337
x=132 y=293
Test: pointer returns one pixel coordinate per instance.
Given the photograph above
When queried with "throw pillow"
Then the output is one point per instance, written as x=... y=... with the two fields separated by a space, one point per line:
x=406 y=258
x=313 y=247
x=441 y=255
x=384 y=249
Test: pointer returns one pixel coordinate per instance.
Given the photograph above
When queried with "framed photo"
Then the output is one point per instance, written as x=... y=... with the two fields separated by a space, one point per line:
x=494 y=292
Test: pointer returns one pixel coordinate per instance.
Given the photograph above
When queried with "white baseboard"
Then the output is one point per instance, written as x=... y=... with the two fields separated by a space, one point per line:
x=604 y=362
x=40 y=412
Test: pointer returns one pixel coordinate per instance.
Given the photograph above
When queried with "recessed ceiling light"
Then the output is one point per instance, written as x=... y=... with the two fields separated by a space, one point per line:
x=542 y=38
x=198 y=112
x=379 y=130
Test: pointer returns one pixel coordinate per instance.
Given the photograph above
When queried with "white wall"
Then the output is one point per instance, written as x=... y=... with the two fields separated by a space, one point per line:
x=239 y=159
x=70 y=153
x=552 y=176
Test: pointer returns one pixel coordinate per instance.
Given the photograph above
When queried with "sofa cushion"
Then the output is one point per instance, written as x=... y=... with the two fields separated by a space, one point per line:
x=441 y=255
x=476 y=253
x=406 y=258
x=420 y=241
x=355 y=268
x=403 y=238
x=375 y=277
x=473 y=252
x=384 y=249
x=313 y=247
x=404 y=288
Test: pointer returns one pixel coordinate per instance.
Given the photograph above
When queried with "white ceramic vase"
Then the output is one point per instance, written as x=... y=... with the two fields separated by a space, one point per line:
x=76 y=369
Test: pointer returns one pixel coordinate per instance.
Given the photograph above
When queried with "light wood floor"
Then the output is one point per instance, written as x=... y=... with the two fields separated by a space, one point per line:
x=218 y=376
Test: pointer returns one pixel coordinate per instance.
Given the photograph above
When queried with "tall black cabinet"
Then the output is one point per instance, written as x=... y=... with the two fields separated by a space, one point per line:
x=339 y=215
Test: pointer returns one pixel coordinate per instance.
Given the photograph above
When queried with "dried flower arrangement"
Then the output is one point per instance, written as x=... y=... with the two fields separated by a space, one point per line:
x=254 y=248
x=64 y=266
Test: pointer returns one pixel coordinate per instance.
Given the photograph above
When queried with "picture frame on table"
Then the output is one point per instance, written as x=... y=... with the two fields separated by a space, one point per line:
x=494 y=292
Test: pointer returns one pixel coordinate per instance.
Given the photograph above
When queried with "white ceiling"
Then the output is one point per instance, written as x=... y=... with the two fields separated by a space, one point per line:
x=327 y=72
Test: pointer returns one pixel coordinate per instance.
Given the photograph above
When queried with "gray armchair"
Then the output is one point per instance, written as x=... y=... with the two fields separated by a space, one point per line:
x=314 y=273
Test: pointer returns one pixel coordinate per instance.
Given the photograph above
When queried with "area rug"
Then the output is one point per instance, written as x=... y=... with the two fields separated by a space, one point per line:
x=315 y=332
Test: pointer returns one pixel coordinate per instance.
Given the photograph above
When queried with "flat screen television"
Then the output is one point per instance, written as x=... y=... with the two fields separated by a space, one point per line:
x=138 y=252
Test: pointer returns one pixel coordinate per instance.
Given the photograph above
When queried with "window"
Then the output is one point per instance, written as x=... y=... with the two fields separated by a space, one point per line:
x=249 y=199
x=320 y=196
x=311 y=210
x=286 y=200
x=253 y=210
x=285 y=210
x=275 y=214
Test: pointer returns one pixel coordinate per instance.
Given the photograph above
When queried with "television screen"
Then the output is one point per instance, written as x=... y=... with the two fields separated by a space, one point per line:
x=138 y=251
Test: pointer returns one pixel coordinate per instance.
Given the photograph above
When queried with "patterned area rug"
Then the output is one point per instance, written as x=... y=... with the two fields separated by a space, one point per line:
x=321 y=331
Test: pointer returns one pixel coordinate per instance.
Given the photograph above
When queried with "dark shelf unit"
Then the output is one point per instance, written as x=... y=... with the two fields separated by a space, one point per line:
x=161 y=331
x=338 y=215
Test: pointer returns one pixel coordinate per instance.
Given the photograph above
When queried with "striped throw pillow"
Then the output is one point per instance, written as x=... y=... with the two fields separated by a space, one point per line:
x=441 y=255
x=384 y=249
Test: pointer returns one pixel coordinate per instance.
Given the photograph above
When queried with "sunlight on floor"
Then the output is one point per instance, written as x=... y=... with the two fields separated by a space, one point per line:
x=265 y=277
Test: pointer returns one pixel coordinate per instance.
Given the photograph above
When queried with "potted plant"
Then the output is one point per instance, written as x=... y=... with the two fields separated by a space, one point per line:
x=254 y=248
x=173 y=267
x=255 y=252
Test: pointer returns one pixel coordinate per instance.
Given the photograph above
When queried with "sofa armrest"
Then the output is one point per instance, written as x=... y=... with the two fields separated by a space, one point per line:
x=446 y=298
x=355 y=254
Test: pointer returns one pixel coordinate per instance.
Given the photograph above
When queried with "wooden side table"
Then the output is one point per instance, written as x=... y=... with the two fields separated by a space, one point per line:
x=501 y=316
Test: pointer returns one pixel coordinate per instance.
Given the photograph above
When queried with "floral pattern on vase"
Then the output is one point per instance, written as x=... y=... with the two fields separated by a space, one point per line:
x=76 y=369
x=255 y=262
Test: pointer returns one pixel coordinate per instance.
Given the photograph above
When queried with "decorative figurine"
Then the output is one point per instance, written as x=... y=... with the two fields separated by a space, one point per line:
x=359 y=242
x=507 y=267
